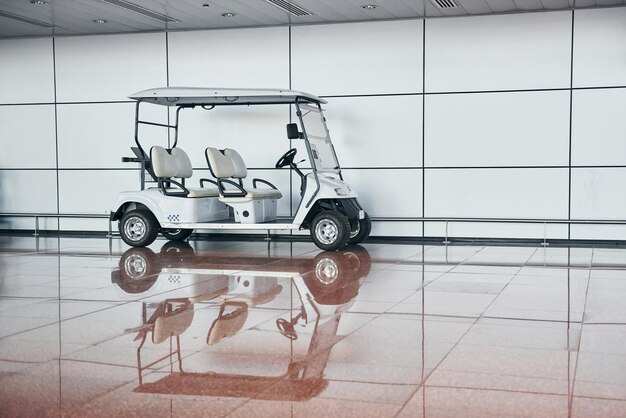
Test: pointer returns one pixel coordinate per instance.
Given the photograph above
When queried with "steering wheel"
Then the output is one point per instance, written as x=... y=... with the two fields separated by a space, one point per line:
x=287 y=158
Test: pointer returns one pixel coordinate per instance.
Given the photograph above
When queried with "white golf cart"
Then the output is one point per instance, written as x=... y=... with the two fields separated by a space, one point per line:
x=328 y=206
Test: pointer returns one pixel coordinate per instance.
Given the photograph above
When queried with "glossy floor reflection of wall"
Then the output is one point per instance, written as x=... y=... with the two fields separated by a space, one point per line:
x=504 y=116
x=89 y=327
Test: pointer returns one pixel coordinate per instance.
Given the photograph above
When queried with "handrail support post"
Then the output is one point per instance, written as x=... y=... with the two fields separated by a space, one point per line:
x=446 y=241
x=545 y=235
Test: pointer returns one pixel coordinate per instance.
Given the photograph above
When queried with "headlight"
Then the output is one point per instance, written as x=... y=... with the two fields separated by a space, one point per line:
x=340 y=191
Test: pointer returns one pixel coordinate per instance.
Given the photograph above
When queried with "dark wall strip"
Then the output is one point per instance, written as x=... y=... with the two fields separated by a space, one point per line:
x=571 y=98
x=56 y=128
x=423 y=121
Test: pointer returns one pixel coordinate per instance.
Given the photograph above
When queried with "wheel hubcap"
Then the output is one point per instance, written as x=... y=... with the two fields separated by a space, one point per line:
x=326 y=231
x=135 y=266
x=135 y=228
x=326 y=271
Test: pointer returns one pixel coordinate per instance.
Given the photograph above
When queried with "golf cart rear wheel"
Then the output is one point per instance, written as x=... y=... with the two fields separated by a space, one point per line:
x=362 y=230
x=330 y=230
x=138 y=228
x=176 y=234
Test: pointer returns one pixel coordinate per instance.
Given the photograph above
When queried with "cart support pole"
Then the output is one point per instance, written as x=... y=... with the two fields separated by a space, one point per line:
x=36 y=226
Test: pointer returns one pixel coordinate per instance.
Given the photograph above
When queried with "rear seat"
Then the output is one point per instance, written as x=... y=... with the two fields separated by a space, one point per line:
x=176 y=164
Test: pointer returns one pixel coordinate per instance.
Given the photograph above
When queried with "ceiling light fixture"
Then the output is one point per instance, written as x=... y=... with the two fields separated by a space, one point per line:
x=369 y=6
x=38 y=2
x=289 y=7
x=99 y=21
x=142 y=10
x=444 y=4
x=27 y=20
x=229 y=14
x=206 y=5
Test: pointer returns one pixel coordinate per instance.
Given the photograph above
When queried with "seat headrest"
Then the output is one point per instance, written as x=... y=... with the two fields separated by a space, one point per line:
x=220 y=165
x=163 y=164
x=183 y=163
x=241 y=171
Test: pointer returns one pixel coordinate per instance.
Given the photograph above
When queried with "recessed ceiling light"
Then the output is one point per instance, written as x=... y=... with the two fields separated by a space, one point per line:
x=38 y=2
x=99 y=21
x=206 y=5
x=229 y=14
x=369 y=6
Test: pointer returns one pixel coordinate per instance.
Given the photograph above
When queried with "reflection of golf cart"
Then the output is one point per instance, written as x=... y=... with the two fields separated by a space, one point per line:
x=328 y=206
x=325 y=285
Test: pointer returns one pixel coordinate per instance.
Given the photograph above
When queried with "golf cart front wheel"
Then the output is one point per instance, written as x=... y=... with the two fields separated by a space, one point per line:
x=138 y=228
x=176 y=234
x=362 y=230
x=330 y=230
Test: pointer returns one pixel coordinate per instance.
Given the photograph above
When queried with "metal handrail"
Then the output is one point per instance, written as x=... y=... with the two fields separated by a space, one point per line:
x=501 y=220
x=544 y=221
x=58 y=216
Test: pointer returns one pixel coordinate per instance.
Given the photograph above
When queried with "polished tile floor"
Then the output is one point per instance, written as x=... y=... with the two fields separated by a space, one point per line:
x=89 y=327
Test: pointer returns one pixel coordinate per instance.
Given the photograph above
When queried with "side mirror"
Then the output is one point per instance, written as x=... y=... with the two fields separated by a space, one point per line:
x=292 y=131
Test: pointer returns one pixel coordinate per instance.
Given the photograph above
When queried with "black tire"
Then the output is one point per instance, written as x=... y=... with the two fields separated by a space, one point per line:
x=138 y=228
x=362 y=231
x=176 y=234
x=330 y=230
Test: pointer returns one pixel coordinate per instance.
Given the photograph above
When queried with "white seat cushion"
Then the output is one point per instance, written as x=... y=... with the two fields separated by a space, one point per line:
x=163 y=164
x=203 y=192
x=220 y=165
x=196 y=191
x=184 y=169
x=241 y=171
x=264 y=193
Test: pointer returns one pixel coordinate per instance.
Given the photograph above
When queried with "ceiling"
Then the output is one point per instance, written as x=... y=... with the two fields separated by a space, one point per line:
x=19 y=18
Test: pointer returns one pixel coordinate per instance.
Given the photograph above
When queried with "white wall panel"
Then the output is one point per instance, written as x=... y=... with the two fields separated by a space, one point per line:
x=29 y=191
x=497 y=129
x=493 y=230
x=599 y=127
x=608 y=232
x=598 y=193
x=86 y=224
x=497 y=193
x=257 y=133
x=28 y=136
x=109 y=67
x=600 y=47
x=27 y=72
x=387 y=192
x=523 y=51
x=358 y=58
x=93 y=192
x=99 y=135
x=396 y=229
x=28 y=223
x=376 y=131
x=230 y=58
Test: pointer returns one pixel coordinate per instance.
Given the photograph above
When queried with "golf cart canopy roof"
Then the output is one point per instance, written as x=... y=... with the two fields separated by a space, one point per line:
x=211 y=96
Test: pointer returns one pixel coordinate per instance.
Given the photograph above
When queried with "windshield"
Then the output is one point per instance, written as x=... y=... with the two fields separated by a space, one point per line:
x=322 y=152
